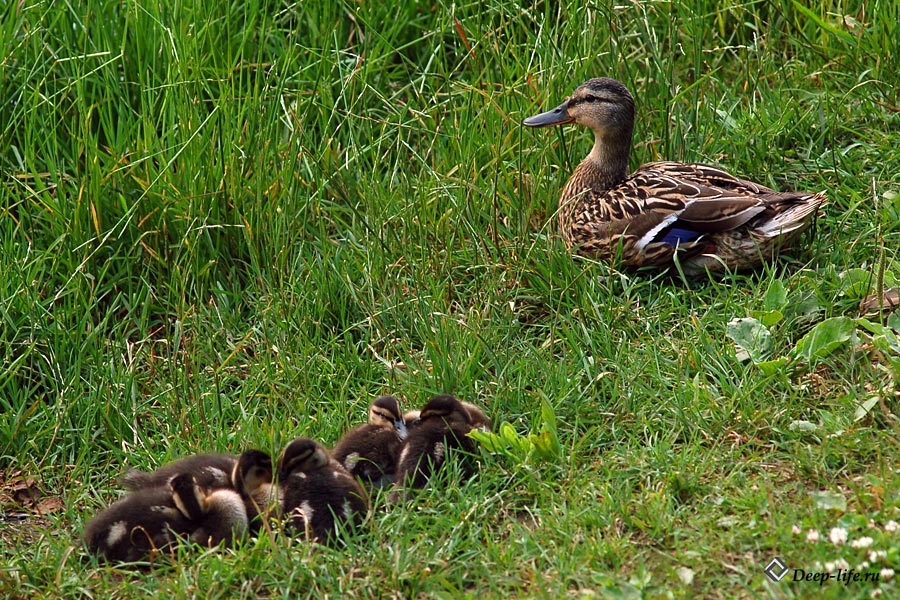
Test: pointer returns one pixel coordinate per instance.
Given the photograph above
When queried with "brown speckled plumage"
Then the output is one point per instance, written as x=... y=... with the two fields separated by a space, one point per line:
x=699 y=215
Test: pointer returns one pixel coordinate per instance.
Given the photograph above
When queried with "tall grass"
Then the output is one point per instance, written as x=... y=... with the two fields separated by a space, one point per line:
x=226 y=225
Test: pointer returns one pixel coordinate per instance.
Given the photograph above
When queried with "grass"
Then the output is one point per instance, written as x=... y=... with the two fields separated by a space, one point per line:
x=226 y=226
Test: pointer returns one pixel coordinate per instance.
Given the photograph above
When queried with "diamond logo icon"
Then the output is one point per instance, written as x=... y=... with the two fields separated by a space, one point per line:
x=776 y=569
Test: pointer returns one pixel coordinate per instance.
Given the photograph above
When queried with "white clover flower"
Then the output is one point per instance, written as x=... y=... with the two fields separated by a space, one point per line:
x=863 y=542
x=812 y=536
x=876 y=593
x=841 y=564
x=829 y=566
x=886 y=573
x=795 y=530
x=862 y=566
x=891 y=526
x=877 y=555
x=837 y=535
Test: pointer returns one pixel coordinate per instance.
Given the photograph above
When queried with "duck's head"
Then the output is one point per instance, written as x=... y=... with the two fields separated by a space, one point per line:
x=302 y=454
x=445 y=407
x=602 y=104
x=252 y=471
x=385 y=412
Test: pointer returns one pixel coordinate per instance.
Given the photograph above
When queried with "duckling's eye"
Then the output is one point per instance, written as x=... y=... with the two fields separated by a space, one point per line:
x=591 y=98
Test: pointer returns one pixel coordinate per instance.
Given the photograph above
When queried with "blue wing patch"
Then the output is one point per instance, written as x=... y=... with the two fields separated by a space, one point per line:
x=675 y=236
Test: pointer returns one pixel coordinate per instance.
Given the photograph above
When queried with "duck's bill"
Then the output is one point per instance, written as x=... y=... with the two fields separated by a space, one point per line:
x=557 y=116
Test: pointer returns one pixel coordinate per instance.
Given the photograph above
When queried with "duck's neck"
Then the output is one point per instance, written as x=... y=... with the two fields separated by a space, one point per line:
x=608 y=159
x=604 y=168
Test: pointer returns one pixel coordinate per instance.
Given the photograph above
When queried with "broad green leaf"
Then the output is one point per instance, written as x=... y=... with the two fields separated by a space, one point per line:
x=491 y=441
x=768 y=317
x=856 y=283
x=776 y=297
x=751 y=338
x=771 y=367
x=893 y=321
x=871 y=326
x=825 y=338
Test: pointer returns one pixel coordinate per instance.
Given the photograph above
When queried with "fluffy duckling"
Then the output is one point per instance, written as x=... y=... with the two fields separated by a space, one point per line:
x=411 y=418
x=370 y=451
x=476 y=416
x=443 y=424
x=319 y=496
x=209 y=470
x=150 y=520
x=215 y=516
x=249 y=474
x=252 y=479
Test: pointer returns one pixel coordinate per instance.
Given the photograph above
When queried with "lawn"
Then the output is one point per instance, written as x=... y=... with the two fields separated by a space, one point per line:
x=224 y=226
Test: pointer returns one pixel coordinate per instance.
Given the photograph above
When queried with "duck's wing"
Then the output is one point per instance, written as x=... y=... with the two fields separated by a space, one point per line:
x=681 y=202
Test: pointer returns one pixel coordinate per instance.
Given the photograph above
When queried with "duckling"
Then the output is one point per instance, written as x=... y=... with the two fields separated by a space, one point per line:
x=148 y=521
x=411 y=419
x=443 y=424
x=249 y=474
x=476 y=416
x=697 y=215
x=216 y=516
x=320 y=497
x=210 y=470
x=370 y=451
x=252 y=480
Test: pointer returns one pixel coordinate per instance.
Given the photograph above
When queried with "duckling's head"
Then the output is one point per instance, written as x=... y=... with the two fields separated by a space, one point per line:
x=189 y=499
x=411 y=418
x=445 y=407
x=252 y=471
x=385 y=412
x=602 y=104
x=302 y=454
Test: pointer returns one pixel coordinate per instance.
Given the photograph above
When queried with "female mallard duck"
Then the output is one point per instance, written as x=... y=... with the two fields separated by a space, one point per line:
x=320 y=499
x=150 y=520
x=443 y=424
x=249 y=474
x=665 y=212
x=370 y=451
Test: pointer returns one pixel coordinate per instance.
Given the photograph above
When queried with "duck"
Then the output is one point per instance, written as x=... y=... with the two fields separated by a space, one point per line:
x=321 y=501
x=688 y=216
x=249 y=474
x=148 y=521
x=369 y=451
x=443 y=424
